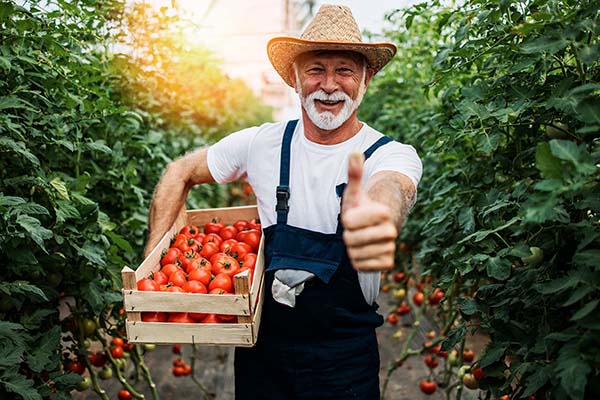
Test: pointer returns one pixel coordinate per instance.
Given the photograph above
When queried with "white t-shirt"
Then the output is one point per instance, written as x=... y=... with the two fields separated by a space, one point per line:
x=315 y=171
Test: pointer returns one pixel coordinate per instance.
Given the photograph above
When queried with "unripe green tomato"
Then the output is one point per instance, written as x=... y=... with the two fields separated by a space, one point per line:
x=453 y=358
x=470 y=381
x=149 y=346
x=120 y=363
x=462 y=371
x=87 y=343
x=88 y=326
x=105 y=373
x=558 y=131
x=84 y=384
x=54 y=279
x=126 y=354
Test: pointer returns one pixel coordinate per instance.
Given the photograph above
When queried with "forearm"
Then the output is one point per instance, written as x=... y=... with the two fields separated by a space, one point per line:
x=168 y=201
x=394 y=190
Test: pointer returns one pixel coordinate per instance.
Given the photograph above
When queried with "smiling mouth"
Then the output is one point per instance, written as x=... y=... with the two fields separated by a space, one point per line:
x=329 y=102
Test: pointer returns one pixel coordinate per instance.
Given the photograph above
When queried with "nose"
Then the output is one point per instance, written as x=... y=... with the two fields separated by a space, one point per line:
x=329 y=83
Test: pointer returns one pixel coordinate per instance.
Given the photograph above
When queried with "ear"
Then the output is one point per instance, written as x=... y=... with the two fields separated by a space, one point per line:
x=292 y=78
x=368 y=75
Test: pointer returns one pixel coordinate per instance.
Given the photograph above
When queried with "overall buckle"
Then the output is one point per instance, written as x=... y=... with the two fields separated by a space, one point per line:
x=283 y=195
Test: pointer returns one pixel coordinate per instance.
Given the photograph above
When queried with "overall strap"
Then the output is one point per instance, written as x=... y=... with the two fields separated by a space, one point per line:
x=283 y=189
x=339 y=189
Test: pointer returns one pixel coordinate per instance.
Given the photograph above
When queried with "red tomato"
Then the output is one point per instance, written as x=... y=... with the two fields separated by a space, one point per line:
x=117 y=341
x=213 y=227
x=249 y=260
x=227 y=318
x=240 y=225
x=198 y=263
x=201 y=275
x=175 y=289
x=252 y=237
x=189 y=231
x=160 y=277
x=239 y=250
x=148 y=284
x=117 y=352
x=170 y=268
x=428 y=387
x=209 y=249
x=221 y=281
x=178 y=278
x=169 y=256
x=418 y=298
x=182 y=243
x=225 y=264
x=477 y=373
x=211 y=319
x=228 y=232
x=97 y=359
x=436 y=296
x=185 y=258
x=75 y=367
x=153 y=316
x=431 y=361
x=226 y=246
x=180 y=317
x=393 y=318
x=178 y=371
x=254 y=224
x=468 y=355
x=403 y=308
x=124 y=395
x=194 y=287
x=214 y=238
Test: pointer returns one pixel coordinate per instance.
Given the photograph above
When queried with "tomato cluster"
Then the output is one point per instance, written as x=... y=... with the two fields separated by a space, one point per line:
x=204 y=261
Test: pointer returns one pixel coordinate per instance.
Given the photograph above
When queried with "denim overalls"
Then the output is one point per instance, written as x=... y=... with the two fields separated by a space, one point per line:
x=325 y=347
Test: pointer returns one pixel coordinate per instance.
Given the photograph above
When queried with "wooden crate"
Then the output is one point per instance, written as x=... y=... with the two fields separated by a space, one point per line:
x=246 y=303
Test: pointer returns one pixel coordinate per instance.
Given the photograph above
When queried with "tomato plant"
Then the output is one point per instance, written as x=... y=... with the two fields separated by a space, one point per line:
x=506 y=221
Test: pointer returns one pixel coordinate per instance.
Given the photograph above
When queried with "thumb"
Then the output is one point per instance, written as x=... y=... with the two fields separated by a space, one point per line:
x=353 y=192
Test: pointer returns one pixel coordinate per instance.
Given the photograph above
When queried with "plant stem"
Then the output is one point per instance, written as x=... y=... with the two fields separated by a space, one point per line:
x=146 y=372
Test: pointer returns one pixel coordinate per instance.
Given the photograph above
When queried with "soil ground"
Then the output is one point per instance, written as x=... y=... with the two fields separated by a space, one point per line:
x=214 y=368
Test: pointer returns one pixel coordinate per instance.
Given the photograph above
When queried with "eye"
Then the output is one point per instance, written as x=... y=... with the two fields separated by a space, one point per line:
x=314 y=70
x=345 y=71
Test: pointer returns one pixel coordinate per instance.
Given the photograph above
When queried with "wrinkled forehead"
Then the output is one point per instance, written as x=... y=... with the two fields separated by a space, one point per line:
x=331 y=55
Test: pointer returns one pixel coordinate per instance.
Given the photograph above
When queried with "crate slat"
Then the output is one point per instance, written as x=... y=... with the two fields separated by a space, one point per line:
x=236 y=304
x=208 y=334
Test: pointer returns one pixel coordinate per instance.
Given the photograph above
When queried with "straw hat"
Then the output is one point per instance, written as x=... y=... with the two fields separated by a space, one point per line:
x=332 y=28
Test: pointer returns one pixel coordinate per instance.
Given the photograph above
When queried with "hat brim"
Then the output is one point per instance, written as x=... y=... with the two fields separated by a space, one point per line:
x=282 y=52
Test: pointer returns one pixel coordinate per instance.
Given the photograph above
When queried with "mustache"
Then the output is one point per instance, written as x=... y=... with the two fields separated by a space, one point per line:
x=322 y=95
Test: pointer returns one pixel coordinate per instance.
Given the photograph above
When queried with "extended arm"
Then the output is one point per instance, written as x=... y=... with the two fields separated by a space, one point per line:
x=373 y=216
x=168 y=202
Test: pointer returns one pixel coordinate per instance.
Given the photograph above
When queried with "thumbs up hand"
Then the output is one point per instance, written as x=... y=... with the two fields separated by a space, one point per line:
x=369 y=231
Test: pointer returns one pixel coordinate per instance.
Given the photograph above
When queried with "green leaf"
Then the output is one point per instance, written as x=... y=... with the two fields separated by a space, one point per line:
x=498 y=268
x=60 y=187
x=548 y=165
x=35 y=319
x=98 y=146
x=576 y=155
x=16 y=383
x=468 y=306
x=20 y=149
x=466 y=220
x=585 y=310
x=12 y=343
x=23 y=288
x=65 y=210
x=454 y=336
x=558 y=285
x=587 y=258
x=492 y=353
x=578 y=295
x=541 y=375
x=572 y=370
x=544 y=45
x=35 y=229
x=92 y=252
x=119 y=241
x=11 y=201
x=44 y=352
x=480 y=235
x=32 y=208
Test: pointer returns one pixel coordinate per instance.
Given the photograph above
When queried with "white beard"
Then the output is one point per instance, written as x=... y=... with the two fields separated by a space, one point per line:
x=327 y=120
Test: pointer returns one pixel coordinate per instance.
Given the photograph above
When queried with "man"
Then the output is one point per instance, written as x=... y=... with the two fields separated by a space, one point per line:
x=322 y=255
